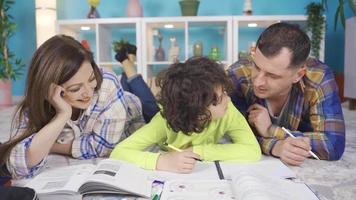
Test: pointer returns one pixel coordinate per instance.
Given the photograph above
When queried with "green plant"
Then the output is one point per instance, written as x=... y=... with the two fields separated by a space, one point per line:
x=340 y=11
x=316 y=26
x=118 y=44
x=10 y=67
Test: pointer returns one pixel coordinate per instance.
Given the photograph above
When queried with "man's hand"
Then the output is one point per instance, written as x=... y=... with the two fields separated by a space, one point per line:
x=259 y=118
x=179 y=162
x=292 y=151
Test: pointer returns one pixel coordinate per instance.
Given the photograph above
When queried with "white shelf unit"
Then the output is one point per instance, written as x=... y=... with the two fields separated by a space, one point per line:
x=186 y=30
x=100 y=33
x=245 y=24
x=230 y=34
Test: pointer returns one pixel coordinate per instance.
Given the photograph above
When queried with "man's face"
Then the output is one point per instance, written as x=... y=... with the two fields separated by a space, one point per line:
x=272 y=77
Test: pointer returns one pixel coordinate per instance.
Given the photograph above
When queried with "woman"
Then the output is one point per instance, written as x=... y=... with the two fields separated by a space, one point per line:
x=71 y=107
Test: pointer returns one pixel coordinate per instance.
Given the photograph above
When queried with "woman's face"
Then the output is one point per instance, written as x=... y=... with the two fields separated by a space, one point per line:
x=79 y=89
x=218 y=111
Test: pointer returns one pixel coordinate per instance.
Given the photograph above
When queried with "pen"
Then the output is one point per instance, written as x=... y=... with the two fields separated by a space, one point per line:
x=290 y=134
x=179 y=150
x=218 y=168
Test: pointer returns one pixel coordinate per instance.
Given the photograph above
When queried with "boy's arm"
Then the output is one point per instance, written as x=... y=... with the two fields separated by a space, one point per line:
x=244 y=148
x=132 y=148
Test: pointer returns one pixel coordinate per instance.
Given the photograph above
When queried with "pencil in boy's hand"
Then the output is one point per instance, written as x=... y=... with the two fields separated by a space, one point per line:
x=291 y=135
x=172 y=147
x=177 y=149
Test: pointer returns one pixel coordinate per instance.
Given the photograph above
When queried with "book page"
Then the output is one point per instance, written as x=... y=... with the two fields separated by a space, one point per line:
x=61 y=180
x=251 y=185
x=197 y=189
x=202 y=171
x=267 y=165
x=115 y=176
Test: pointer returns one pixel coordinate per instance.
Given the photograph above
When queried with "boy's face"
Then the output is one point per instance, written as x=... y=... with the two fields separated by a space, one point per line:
x=218 y=111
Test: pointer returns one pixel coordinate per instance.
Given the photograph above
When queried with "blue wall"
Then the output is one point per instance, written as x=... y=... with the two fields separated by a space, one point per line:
x=23 y=43
x=78 y=9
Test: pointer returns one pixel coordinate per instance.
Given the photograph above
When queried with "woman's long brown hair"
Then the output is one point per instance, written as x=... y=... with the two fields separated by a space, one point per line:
x=55 y=61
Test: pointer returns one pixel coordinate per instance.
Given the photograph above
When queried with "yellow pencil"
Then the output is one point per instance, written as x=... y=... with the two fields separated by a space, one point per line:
x=172 y=147
x=177 y=149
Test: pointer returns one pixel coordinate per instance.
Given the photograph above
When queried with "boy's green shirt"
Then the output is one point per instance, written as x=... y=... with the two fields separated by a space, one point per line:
x=244 y=146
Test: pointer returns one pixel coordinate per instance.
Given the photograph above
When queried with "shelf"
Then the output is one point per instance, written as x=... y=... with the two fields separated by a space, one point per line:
x=230 y=34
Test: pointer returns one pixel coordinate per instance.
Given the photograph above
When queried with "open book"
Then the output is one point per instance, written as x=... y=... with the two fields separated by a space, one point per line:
x=108 y=176
x=244 y=185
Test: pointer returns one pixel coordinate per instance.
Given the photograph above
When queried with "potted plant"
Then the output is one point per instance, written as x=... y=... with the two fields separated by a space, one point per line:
x=10 y=66
x=189 y=7
x=123 y=43
x=340 y=10
x=316 y=26
x=118 y=44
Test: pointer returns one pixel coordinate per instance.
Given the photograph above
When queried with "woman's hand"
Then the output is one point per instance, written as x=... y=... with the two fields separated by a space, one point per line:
x=56 y=99
x=179 y=162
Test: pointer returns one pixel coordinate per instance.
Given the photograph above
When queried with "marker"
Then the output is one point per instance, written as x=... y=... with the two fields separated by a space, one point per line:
x=290 y=134
x=155 y=197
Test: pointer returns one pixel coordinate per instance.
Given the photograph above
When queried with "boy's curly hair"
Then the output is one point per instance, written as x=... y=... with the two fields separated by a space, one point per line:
x=187 y=89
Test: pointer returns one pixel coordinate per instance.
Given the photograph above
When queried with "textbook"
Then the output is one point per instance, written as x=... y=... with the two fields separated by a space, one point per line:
x=244 y=185
x=108 y=176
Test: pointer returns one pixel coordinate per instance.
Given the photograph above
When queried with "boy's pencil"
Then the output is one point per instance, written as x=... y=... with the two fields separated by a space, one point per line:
x=174 y=148
x=179 y=150
x=290 y=134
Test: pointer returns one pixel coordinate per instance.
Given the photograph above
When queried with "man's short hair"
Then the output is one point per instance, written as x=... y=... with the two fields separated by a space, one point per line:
x=290 y=36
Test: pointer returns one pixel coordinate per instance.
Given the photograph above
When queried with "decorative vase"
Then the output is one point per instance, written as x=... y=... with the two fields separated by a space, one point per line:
x=198 y=49
x=173 y=50
x=134 y=8
x=214 y=53
x=189 y=7
x=93 y=13
x=248 y=7
x=5 y=92
x=160 y=54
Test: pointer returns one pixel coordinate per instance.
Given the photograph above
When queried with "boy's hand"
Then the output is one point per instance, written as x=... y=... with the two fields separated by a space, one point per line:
x=179 y=162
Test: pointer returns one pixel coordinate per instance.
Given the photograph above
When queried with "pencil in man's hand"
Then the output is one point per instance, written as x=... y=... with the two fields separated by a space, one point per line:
x=291 y=135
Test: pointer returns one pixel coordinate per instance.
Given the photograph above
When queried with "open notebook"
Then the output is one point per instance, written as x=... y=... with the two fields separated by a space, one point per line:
x=244 y=185
x=113 y=176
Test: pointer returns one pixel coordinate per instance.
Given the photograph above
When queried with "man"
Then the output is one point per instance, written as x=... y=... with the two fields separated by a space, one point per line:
x=281 y=87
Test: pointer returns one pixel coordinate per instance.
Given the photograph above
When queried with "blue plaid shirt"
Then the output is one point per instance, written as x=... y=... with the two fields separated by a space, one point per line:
x=313 y=111
x=112 y=116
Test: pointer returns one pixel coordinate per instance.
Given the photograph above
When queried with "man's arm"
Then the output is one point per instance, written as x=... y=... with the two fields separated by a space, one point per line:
x=327 y=135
